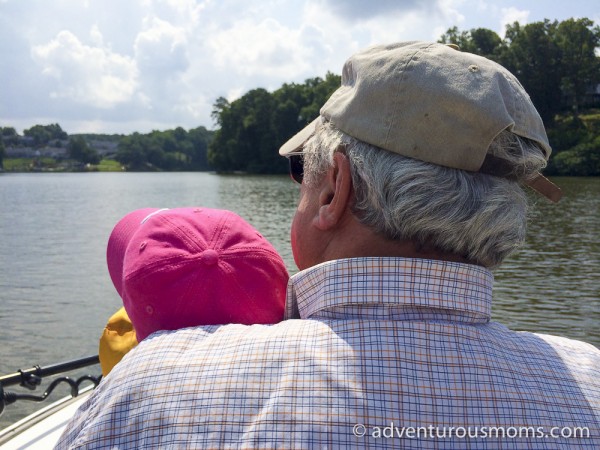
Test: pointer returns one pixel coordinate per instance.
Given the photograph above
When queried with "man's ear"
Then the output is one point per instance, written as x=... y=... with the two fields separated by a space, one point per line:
x=335 y=193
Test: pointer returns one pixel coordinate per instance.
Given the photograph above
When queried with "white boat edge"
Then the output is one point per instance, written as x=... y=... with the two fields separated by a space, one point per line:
x=42 y=429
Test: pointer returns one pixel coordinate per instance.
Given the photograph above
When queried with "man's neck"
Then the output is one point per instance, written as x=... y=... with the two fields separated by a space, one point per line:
x=360 y=241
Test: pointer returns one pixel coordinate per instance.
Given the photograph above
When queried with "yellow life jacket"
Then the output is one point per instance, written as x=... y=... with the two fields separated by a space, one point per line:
x=116 y=340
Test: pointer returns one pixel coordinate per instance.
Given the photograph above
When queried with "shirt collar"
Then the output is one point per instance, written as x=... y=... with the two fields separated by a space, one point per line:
x=392 y=288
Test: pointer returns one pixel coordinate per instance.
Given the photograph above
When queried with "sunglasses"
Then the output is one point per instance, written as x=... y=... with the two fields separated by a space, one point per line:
x=297 y=167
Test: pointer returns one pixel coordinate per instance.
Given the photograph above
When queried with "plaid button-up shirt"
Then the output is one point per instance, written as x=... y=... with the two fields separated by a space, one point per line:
x=376 y=353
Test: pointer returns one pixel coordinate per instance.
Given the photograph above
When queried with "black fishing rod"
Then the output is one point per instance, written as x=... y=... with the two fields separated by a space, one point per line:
x=32 y=378
x=27 y=377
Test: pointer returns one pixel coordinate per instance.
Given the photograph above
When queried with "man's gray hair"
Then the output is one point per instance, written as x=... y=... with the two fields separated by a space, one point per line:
x=480 y=217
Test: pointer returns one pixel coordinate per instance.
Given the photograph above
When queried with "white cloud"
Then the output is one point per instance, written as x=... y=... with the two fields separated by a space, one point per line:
x=512 y=15
x=234 y=94
x=266 y=47
x=161 y=46
x=359 y=10
x=96 y=36
x=410 y=21
x=162 y=63
x=88 y=75
x=187 y=8
x=450 y=11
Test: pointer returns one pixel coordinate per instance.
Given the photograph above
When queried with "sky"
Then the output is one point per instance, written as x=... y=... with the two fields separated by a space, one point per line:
x=121 y=66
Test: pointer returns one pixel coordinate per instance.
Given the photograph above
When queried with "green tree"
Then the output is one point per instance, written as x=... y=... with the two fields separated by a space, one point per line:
x=2 y=154
x=42 y=134
x=131 y=152
x=223 y=143
x=317 y=93
x=8 y=132
x=79 y=150
x=246 y=139
x=199 y=138
x=581 y=160
x=580 y=67
x=39 y=134
x=534 y=57
x=253 y=127
x=486 y=42
x=555 y=62
x=460 y=38
x=220 y=108
x=8 y=136
x=566 y=133
x=480 y=41
x=165 y=150
x=180 y=134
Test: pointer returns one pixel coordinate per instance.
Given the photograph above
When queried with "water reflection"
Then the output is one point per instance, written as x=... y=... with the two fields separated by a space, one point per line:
x=553 y=284
x=56 y=294
x=268 y=203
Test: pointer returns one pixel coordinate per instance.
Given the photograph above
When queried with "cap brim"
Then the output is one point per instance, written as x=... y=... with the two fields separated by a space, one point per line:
x=545 y=187
x=540 y=184
x=118 y=242
x=295 y=143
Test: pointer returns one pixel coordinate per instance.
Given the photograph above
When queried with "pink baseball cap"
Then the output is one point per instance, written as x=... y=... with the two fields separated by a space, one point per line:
x=183 y=267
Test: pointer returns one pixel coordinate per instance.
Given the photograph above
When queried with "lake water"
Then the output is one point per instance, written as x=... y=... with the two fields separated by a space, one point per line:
x=56 y=295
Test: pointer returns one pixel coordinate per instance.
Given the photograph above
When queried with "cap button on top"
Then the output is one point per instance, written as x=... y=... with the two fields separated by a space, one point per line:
x=209 y=257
